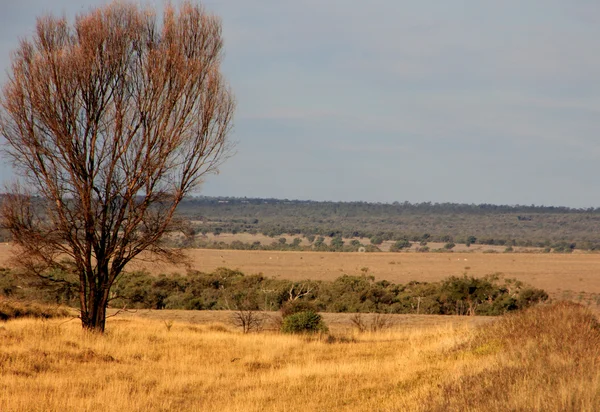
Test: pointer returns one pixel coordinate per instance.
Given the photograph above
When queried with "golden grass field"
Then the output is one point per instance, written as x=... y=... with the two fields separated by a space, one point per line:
x=547 y=359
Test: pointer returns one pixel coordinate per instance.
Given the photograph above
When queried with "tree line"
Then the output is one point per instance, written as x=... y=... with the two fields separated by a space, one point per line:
x=558 y=228
x=226 y=289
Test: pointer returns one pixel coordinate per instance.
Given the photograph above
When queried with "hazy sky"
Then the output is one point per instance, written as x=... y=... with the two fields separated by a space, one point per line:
x=474 y=101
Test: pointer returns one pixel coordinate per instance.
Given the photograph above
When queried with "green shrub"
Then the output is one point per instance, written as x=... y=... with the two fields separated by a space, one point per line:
x=376 y=240
x=303 y=322
x=399 y=245
x=295 y=306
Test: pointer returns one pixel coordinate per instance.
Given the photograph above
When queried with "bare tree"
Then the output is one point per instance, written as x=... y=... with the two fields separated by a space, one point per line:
x=377 y=322
x=110 y=121
x=298 y=290
x=248 y=319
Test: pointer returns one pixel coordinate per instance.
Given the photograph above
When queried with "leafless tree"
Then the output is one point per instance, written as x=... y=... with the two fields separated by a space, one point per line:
x=110 y=121
x=375 y=323
x=298 y=290
x=248 y=319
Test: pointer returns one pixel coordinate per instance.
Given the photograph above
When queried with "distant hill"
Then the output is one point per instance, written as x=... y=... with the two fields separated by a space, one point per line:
x=560 y=228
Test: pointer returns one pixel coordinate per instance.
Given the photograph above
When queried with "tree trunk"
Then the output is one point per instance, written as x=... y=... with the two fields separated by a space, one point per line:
x=93 y=308
x=94 y=318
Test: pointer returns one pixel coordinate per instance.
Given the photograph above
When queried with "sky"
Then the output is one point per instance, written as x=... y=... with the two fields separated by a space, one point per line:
x=472 y=101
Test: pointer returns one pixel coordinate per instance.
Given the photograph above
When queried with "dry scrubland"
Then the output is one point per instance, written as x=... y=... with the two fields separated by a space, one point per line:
x=564 y=276
x=546 y=359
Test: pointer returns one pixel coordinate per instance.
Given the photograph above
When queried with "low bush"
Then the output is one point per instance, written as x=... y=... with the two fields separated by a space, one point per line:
x=226 y=289
x=304 y=322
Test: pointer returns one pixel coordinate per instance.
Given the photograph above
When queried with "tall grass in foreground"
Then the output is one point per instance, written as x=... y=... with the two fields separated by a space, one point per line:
x=546 y=358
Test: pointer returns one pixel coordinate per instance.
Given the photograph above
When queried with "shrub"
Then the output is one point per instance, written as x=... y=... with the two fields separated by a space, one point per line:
x=399 y=245
x=376 y=240
x=303 y=322
x=295 y=306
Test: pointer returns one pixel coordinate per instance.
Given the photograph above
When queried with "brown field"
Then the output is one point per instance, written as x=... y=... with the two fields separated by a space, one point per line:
x=568 y=276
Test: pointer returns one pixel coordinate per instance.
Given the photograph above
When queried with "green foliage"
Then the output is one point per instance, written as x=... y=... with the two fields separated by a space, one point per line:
x=563 y=247
x=376 y=240
x=399 y=245
x=226 y=289
x=295 y=306
x=13 y=309
x=304 y=322
x=337 y=243
x=468 y=295
x=56 y=288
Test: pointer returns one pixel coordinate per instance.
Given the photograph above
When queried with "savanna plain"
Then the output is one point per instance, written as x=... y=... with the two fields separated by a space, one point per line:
x=544 y=358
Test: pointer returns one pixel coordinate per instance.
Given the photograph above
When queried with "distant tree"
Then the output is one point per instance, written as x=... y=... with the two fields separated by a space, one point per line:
x=376 y=240
x=471 y=240
x=337 y=243
x=449 y=245
x=319 y=241
x=399 y=245
x=110 y=122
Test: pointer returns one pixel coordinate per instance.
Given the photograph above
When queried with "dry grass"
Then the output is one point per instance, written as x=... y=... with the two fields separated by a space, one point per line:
x=546 y=359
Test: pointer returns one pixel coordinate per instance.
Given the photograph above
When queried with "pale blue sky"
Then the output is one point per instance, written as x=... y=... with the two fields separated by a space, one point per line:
x=473 y=101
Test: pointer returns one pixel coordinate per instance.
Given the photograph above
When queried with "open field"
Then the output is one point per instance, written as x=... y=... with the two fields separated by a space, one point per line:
x=546 y=359
x=337 y=322
x=562 y=275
